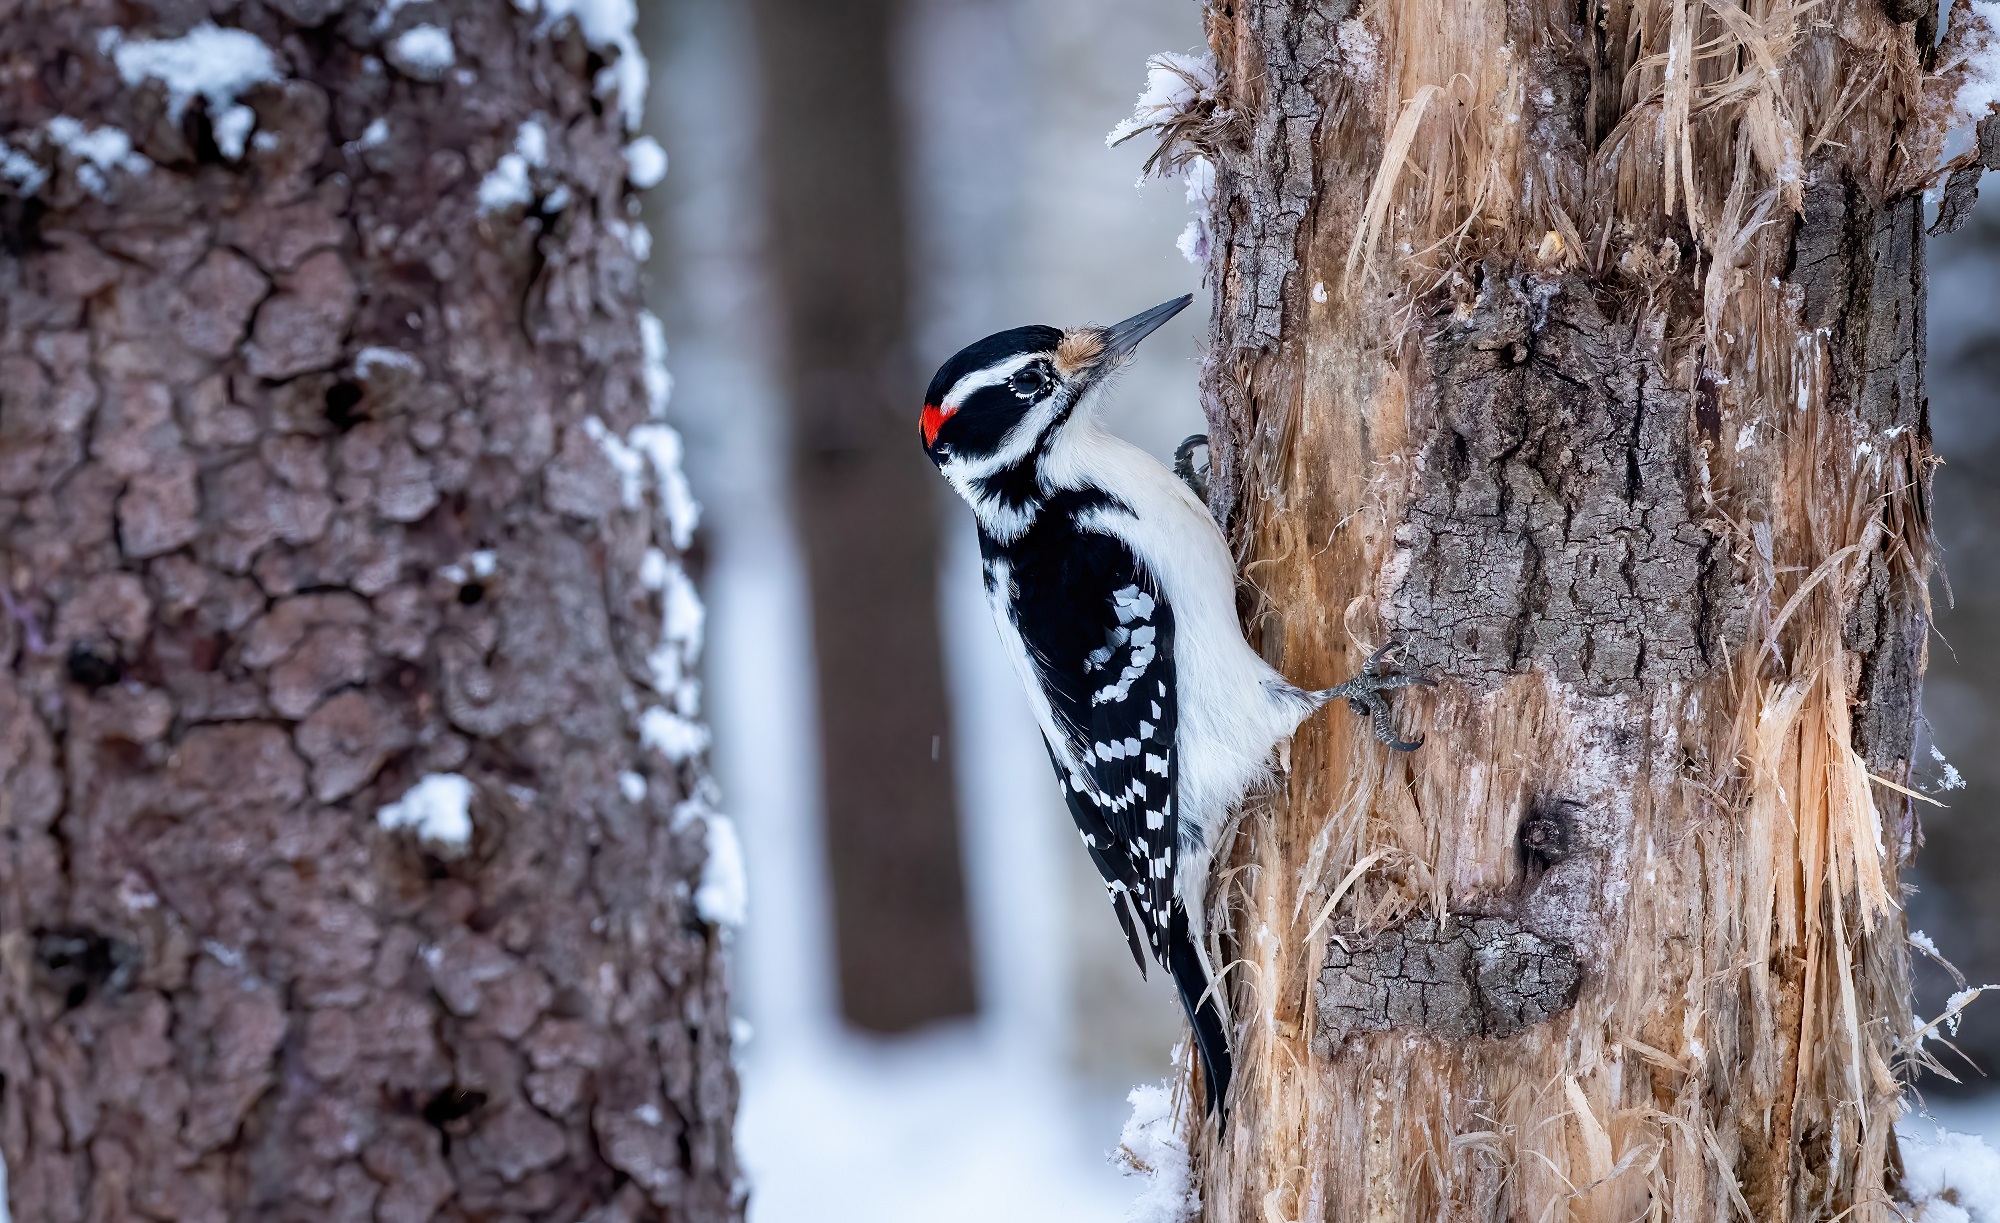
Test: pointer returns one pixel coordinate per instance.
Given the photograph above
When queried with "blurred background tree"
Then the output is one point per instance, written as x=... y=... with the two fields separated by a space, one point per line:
x=359 y=860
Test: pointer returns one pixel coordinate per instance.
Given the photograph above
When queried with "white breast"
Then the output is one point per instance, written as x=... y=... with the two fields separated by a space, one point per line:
x=1234 y=709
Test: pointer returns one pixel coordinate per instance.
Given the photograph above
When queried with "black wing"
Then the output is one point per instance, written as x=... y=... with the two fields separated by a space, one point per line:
x=1103 y=638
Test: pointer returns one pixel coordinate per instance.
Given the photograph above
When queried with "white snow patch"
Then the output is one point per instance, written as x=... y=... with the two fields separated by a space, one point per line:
x=1152 y=1149
x=232 y=129
x=377 y=357
x=485 y=563
x=625 y=461
x=210 y=62
x=605 y=23
x=438 y=809
x=682 y=616
x=1954 y=1010
x=1746 y=437
x=1923 y=942
x=653 y=569
x=632 y=786
x=637 y=238
x=99 y=149
x=531 y=141
x=645 y=162
x=1199 y=176
x=1953 y=779
x=507 y=184
x=375 y=134
x=1173 y=83
x=1951 y=1178
x=648 y=1114
x=423 y=51
x=1980 y=91
x=677 y=738
x=724 y=895
x=662 y=444
x=25 y=173
x=653 y=349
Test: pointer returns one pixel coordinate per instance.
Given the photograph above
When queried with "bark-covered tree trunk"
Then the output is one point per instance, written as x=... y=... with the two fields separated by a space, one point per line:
x=1578 y=349
x=867 y=509
x=330 y=465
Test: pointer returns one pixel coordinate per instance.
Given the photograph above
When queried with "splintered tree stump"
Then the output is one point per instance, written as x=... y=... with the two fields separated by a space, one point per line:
x=322 y=475
x=1579 y=351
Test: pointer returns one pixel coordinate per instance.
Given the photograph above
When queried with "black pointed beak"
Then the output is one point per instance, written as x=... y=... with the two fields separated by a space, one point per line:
x=1121 y=338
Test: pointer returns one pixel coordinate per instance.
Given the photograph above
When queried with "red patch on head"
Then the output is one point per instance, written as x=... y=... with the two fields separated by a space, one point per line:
x=932 y=420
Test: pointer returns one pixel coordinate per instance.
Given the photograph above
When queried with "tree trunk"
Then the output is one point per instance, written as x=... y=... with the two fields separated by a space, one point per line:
x=326 y=478
x=867 y=510
x=1579 y=350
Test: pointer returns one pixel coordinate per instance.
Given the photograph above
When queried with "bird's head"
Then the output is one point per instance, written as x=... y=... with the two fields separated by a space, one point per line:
x=1005 y=397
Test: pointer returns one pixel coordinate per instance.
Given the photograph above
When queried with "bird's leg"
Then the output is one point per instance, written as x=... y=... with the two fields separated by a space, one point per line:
x=1364 y=695
x=1184 y=465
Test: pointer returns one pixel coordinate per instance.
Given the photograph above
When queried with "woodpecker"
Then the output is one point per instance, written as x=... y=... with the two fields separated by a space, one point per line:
x=1115 y=597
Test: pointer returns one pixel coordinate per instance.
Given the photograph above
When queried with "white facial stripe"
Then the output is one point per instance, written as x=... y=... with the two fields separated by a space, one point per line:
x=992 y=375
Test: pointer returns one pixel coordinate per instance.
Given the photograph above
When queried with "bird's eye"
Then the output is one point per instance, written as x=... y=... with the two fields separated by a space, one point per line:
x=1030 y=383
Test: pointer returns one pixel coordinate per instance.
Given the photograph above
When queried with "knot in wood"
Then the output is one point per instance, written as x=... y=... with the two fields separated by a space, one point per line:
x=1464 y=977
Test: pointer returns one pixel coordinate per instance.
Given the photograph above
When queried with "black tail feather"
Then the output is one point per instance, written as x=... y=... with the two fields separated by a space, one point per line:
x=1204 y=1016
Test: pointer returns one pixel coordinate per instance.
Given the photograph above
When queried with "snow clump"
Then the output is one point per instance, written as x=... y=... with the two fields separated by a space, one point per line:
x=677 y=738
x=507 y=183
x=423 y=51
x=645 y=162
x=605 y=23
x=438 y=809
x=723 y=899
x=1953 y=779
x=1979 y=91
x=98 y=149
x=1175 y=85
x=216 y=64
x=1954 y=1178
x=1151 y=1148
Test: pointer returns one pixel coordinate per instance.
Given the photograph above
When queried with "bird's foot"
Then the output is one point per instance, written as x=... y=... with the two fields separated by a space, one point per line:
x=1196 y=479
x=1364 y=695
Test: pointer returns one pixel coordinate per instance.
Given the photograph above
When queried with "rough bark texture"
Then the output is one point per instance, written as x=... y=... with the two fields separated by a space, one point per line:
x=245 y=612
x=1589 y=368
x=867 y=510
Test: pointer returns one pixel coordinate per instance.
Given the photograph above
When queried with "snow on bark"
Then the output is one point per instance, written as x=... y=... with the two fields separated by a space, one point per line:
x=1952 y=1178
x=606 y=23
x=1152 y=1147
x=423 y=51
x=210 y=62
x=645 y=162
x=724 y=895
x=437 y=809
x=508 y=184
x=1179 y=90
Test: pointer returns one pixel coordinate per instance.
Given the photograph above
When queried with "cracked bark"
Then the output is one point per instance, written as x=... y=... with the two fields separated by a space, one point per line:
x=1613 y=416
x=240 y=621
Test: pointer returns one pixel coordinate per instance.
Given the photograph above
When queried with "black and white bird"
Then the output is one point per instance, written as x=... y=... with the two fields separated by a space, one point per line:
x=1115 y=596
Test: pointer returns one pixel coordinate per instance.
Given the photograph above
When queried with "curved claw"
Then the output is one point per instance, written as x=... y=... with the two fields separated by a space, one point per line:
x=1196 y=480
x=1364 y=696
